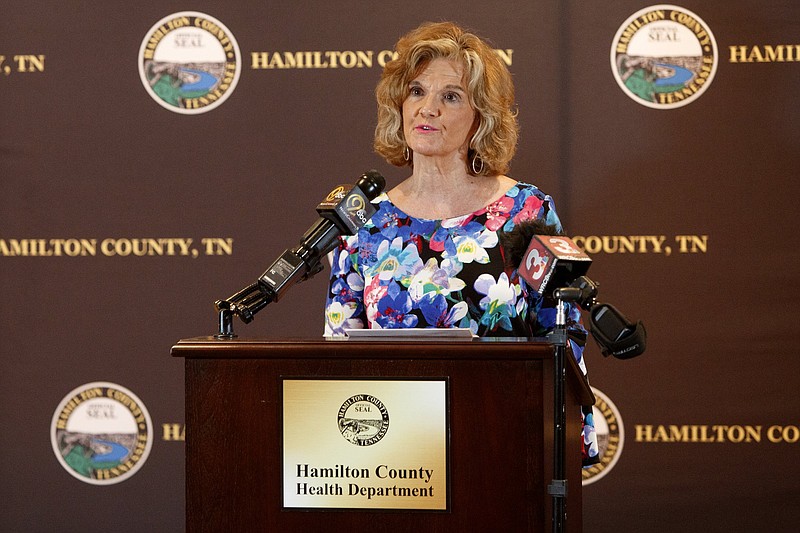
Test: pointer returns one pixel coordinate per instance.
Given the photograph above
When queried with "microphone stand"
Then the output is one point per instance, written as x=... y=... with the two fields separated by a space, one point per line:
x=581 y=292
x=615 y=334
x=558 y=486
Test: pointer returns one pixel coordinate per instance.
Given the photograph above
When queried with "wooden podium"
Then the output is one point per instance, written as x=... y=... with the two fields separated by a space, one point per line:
x=500 y=431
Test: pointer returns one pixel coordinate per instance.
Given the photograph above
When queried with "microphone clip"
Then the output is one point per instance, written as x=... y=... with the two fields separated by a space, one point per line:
x=244 y=304
x=582 y=291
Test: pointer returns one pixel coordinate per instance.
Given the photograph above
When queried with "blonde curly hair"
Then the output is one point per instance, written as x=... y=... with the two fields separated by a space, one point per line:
x=489 y=86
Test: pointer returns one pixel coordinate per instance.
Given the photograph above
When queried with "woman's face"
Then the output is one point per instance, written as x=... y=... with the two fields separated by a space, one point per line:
x=437 y=116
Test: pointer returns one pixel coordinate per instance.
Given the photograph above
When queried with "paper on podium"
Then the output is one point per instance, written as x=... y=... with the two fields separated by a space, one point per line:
x=411 y=333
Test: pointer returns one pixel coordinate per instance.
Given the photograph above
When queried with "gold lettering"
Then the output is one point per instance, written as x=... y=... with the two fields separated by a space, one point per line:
x=627 y=34
x=30 y=63
x=773 y=54
x=179 y=22
x=735 y=434
x=654 y=16
x=293 y=60
x=216 y=246
x=613 y=244
x=780 y=53
x=755 y=55
x=66 y=411
x=91 y=393
x=505 y=55
x=789 y=434
x=318 y=63
x=276 y=62
x=738 y=54
x=123 y=247
x=173 y=432
x=150 y=247
x=47 y=247
x=692 y=243
x=259 y=60
x=161 y=32
x=316 y=59
x=384 y=56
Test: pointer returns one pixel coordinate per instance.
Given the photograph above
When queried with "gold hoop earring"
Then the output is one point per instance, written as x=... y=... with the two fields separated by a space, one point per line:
x=477 y=171
x=407 y=154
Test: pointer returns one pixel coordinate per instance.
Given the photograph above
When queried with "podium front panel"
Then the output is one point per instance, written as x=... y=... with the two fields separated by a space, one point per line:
x=500 y=432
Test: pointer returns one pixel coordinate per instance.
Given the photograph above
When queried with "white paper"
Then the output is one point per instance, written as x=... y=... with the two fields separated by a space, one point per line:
x=457 y=333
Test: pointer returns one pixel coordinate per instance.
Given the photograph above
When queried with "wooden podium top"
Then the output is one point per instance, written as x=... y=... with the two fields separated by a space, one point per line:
x=390 y=348
x=374 y=347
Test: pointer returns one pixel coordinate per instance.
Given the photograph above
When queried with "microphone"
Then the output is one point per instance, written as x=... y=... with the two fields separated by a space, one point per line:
x=343 y=212
x=615 y=334
x=553 y=265
x=546 y=258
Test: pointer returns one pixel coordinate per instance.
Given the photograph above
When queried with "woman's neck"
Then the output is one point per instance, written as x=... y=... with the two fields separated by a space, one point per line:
x=434 y=193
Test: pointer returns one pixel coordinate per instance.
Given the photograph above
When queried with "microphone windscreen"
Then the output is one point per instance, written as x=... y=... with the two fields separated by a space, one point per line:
x=515 y=242
x=371 y=184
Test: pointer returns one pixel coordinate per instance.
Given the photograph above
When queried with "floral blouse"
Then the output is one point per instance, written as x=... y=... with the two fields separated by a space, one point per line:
x=399 y=271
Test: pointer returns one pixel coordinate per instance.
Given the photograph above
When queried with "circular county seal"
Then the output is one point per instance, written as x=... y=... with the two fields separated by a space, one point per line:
x=363 y=420
x=610 y=437
x=664 y=56
x=189 y=62
x=101 y=433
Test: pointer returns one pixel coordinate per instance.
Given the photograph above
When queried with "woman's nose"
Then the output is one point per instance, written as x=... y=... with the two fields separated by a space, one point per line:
x=429 y=108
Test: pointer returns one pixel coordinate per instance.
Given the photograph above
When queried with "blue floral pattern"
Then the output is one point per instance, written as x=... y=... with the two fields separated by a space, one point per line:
x=400 y=271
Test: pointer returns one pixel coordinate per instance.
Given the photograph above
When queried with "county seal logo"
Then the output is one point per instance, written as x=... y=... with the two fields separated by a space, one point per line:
x=189 y=62
x=101 y=433
x=610 y=437
x=664 y=56
x=363 y=420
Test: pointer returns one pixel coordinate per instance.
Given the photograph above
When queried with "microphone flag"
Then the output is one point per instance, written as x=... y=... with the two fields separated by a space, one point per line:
x=552 y=261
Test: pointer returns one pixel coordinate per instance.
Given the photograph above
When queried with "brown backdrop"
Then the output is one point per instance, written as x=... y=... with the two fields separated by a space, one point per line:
x=86 y=153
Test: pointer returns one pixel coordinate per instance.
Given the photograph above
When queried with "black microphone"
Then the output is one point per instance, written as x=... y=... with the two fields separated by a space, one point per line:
x=553 y=265
x=615 y=334
x=343 y=212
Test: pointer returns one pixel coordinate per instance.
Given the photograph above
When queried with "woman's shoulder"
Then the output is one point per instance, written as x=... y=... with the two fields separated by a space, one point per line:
x=523 y=193
x=525 y=187
x=526 y=201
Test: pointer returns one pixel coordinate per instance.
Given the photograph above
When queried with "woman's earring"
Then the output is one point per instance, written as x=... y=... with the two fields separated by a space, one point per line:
x=477 y=171
x=407 y=154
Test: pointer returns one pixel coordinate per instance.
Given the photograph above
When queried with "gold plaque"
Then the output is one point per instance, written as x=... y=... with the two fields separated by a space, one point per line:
x=365 y=444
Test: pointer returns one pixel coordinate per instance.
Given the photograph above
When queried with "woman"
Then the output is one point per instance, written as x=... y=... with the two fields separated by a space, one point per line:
x=431 y=255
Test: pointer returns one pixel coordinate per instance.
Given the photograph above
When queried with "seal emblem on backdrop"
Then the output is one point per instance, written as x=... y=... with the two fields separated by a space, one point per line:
x=189 y=62
x=101 y=433
x=664 y=56
x=363 y=420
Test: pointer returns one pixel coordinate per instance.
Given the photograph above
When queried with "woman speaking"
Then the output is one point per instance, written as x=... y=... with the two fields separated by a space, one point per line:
x=430 y=257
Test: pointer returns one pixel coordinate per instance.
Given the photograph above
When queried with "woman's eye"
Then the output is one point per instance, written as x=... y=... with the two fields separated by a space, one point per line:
x=452 y=97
